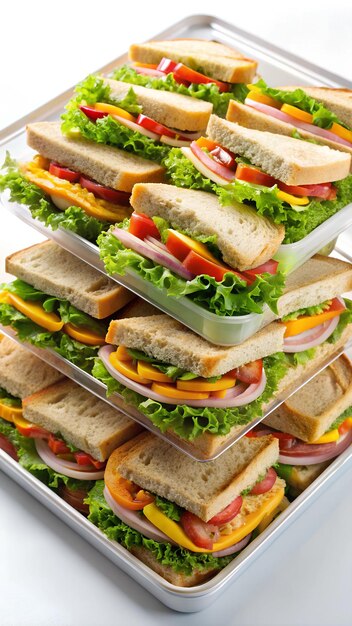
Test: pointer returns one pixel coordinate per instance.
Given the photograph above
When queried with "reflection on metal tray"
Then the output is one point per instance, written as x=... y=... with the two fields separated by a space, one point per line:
x=99 y=389
x=182 y=599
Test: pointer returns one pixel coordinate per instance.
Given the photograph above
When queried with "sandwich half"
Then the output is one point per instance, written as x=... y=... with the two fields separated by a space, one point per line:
x=59 y=302
x=297 y=184
x=184 y=519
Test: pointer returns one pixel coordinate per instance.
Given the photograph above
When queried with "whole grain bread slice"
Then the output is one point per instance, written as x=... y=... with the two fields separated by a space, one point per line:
x=202 y=489
x=21 y=372
x=215 y=59
x=106 y=165
x=82 y=419
x=50 y=268
x=252 y=118
x=339 y=101
x=164 y=338
x=172 y=109
x=244 y=238
x=290 y=161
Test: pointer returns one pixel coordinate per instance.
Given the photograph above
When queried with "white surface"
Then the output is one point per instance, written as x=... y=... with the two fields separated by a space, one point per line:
x=48 y=575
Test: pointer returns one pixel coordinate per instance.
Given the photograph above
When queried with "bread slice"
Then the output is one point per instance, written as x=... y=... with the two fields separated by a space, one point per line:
x=59 y=273
x=106 y=165
x=245 y=239
x=172 y=109
x=202 y=489
x=82 y=419
x=164 y=338
x=309 y=413
x=290 y=161
x=302 y=476
x=180 y=579
x=138 y=308
x=21 y=372
x=339 y=101
x=252 y=118
x=210 y=57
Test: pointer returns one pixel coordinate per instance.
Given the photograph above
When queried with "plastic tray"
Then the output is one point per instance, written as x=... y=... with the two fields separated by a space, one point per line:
x=277 y=67
x=99 y=389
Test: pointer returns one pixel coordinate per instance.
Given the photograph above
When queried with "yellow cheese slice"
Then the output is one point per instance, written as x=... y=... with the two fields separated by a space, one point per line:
x=9 y=413
x=36 y=313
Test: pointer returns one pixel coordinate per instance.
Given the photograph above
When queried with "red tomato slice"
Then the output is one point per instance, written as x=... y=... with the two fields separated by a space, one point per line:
x=106 y=193
x=286 y=441
x=252 y=175
x=224 y=157
x=93 y=114
x=155 y=127
x=225 y=516
x=318 y=191
x=82 y=458
x=28 y=429
x=266 y=484
x=333 y=193
x=249 y=373
x=201 y=533
x=8 y=447
x=166 y=65
x=199 y=265
x=142 y=226
x=57 y=446
x=270 y=267
x=64 y=172
x=75 y=497
x=186 y=73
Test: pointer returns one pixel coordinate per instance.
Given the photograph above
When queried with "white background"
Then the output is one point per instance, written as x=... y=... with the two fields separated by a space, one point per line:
x=48 y=575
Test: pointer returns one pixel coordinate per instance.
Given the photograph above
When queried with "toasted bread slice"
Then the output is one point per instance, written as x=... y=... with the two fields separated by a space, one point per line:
x=204 y=490
x=106 y=165
x=172 y=109
x=21 y=372
x=245 y=239
x=210 y=57
x=164 y=338
x=292 y=162
x=252 y=118
x=339 y=101
x=59 y=273
x=82 y=419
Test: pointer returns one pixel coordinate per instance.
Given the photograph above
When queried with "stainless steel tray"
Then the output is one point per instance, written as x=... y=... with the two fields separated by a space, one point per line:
x=115 y=400
x=186 y=600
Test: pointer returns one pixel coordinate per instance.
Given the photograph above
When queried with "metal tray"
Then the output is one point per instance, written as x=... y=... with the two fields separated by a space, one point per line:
x=277 y=67
x=115 y=400
x=186 y=600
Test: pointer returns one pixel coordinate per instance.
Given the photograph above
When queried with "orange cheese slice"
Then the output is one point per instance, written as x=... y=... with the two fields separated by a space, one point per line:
x=36 y=313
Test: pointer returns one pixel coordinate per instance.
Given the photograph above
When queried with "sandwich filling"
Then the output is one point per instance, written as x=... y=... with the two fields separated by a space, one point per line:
x=209 y=166
x=185 y=264
x=50 y=322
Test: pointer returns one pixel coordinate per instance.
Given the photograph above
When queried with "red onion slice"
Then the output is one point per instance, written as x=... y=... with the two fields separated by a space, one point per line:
x=135 y=520
x=290 y=119
x=204 y=170
x=152 y=252
x=318 y=457
x=251 y=393
x=312 y=337
x=58 y=465
x=157 y=243
x=235 y=548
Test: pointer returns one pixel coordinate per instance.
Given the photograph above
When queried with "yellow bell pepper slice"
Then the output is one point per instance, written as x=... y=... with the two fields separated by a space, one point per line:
x=306 y=322
x=36 y=313
x=113 y=110
x=257 y=96
x=218 y=394
x=148 y=371
x=122 y=354
x=4 y=297
x=202 y=384
x=172 y=392
x=332 y=435
x=84 y=335
x=287 y=197
x=297 y=113
x=176 y=533
x=10 y=413
x=342 y=132
x=128 y=369
x=192 y=244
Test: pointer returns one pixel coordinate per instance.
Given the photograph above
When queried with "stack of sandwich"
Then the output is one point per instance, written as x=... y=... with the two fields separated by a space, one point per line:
x=189 y=177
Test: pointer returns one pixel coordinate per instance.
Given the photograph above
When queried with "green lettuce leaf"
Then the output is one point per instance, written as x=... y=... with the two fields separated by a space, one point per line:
x=8 y=399
x=94 y=89
x=171 y=510
x=339 y=420
x=180 y=559
x=344 y=321
x=209 y=92
x=191 y=422
x=322 y=116
x=231 y=296
x=309 y=310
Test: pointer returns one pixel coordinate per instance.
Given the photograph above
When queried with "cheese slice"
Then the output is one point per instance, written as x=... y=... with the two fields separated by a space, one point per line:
x=8 y=412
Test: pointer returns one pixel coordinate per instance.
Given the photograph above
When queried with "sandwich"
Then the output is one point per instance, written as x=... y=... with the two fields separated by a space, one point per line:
x=202 y=69
x=21 y=374
x=142 y=121
x=304 y=114
x=205 y=394
x=297 y=184
x=76 y=184
x=185 y=243
x=59 y=302
x=184 y=519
